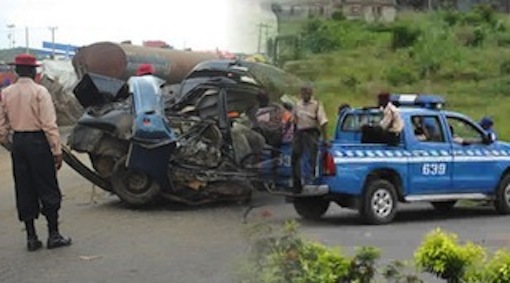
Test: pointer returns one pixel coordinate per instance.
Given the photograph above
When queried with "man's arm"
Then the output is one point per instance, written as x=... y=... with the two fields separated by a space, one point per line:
x=49 y=126
x=387 y=117
x=4 y=125
x=323 y=121
x=324 y=130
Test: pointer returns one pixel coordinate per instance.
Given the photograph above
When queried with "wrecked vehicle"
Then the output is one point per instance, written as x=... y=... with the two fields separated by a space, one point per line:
x=195 y=146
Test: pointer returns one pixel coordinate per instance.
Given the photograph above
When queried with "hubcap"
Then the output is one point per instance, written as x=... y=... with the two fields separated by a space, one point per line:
x=382 y=203
x=506 y=195
x=137 y=182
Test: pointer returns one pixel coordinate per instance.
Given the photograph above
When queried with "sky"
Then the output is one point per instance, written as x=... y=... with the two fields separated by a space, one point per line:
x=198 y=24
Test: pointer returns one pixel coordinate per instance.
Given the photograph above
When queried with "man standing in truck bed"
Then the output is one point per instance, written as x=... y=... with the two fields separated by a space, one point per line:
x=310 y=122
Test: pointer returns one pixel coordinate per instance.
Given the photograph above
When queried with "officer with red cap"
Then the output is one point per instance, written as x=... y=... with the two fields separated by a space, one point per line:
x=145 y=69
x=27 y=114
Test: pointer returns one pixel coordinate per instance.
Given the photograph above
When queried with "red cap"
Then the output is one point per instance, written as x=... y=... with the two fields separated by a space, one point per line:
x=145 y=69
x=25 y=60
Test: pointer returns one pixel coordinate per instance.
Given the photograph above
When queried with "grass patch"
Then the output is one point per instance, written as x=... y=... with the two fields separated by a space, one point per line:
x=462 y=56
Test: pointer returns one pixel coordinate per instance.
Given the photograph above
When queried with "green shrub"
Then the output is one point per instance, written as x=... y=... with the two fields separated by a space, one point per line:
x=497 y=269
x=460 y=72
x=280 y=255
x=485 y=12
x=363 y=265
x=319 y=36
x=400 y=75
x=350 y=81
x=441 y=255
x=504 y=67
x=502 y=39
x=451 y=17
x=471 y=36
x=435 y=48
x=397 y=272
x=338 y=15
x=480 y=14
x=404 y=35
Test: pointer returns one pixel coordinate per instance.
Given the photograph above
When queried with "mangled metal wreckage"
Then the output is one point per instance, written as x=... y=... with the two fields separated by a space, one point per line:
x=195 y=146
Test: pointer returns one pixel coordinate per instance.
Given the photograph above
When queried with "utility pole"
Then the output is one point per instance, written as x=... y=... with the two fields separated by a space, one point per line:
x=10 y=36
x=266 y=27
x=27 y=40
x=52 y=29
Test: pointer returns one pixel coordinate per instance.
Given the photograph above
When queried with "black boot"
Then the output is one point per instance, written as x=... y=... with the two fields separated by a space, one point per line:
x=55 y=240
x=33 y=242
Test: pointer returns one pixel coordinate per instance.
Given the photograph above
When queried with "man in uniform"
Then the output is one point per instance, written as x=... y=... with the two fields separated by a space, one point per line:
x=486 y=123
x=27 y=111
x=391 y=123
x=310 y=122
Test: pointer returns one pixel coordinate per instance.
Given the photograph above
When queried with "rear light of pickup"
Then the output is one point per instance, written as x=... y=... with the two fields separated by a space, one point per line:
x=328 y=163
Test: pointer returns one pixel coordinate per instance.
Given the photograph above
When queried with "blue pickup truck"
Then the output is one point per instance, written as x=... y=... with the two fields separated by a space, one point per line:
x=442 y=157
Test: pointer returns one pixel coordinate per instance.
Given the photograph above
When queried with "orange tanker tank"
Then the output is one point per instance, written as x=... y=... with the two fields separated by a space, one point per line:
x=121 y=60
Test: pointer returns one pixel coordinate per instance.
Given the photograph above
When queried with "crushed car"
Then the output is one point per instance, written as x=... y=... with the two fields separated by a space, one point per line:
x=197 y=145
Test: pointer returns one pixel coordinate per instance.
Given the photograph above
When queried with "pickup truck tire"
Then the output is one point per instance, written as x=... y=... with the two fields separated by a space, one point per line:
x=379 y=202
x=502 y=202
x=311 y=208
x=444 y=206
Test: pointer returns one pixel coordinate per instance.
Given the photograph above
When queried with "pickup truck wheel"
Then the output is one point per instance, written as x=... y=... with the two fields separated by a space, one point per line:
x=134 y=187
x=312 y=208
x=502 y=202
x=379 y=202
x=445 y=206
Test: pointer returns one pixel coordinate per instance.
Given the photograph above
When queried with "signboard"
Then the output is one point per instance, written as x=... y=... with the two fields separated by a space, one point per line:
x=60 y=46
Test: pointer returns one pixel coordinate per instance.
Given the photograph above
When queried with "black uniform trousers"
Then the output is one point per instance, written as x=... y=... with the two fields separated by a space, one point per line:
x=304 y=140
x=34 y=176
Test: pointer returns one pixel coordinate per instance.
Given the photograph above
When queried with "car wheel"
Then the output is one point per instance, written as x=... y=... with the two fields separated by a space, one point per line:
x=445 y=206
x=134 y=187
x=312 y=208
x=379 y=202
x=502 y=202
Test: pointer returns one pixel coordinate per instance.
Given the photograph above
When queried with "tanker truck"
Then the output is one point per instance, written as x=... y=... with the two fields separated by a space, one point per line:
x=120 y=61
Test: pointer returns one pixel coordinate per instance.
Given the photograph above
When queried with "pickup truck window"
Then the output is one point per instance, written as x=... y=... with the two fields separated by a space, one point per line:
x=463 y=131
x=354 y=121
x=427 y=128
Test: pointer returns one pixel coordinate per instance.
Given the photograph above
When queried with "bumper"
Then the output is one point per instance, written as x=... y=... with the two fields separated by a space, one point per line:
x=308 y=191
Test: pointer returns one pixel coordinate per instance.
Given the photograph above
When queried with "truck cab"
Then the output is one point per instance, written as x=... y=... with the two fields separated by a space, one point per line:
x=442 y=157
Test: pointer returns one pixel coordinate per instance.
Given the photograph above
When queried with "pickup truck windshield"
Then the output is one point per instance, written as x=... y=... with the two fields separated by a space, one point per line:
x=462 y=130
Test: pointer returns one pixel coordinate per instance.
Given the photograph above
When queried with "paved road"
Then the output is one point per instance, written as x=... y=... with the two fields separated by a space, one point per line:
x=173 y=243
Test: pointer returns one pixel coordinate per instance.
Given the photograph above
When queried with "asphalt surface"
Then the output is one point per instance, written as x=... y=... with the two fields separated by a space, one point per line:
x=175 y=243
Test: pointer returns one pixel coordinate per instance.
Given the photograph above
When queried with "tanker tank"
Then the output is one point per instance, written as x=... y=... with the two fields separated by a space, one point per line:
x=121 y=60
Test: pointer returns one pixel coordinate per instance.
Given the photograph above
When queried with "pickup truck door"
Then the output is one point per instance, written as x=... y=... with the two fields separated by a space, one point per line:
x=474 y=163
x=430 y=161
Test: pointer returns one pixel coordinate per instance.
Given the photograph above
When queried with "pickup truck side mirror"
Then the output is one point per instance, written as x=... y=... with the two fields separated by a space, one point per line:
x=489 y=138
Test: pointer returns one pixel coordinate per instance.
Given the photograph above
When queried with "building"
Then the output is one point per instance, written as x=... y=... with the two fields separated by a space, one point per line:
x=368 y=10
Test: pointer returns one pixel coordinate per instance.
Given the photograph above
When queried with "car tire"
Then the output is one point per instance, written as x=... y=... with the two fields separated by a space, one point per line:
x=311 y=208
x=502 y=203
x=379 y=202
x=133 y=187
x=444 y=206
